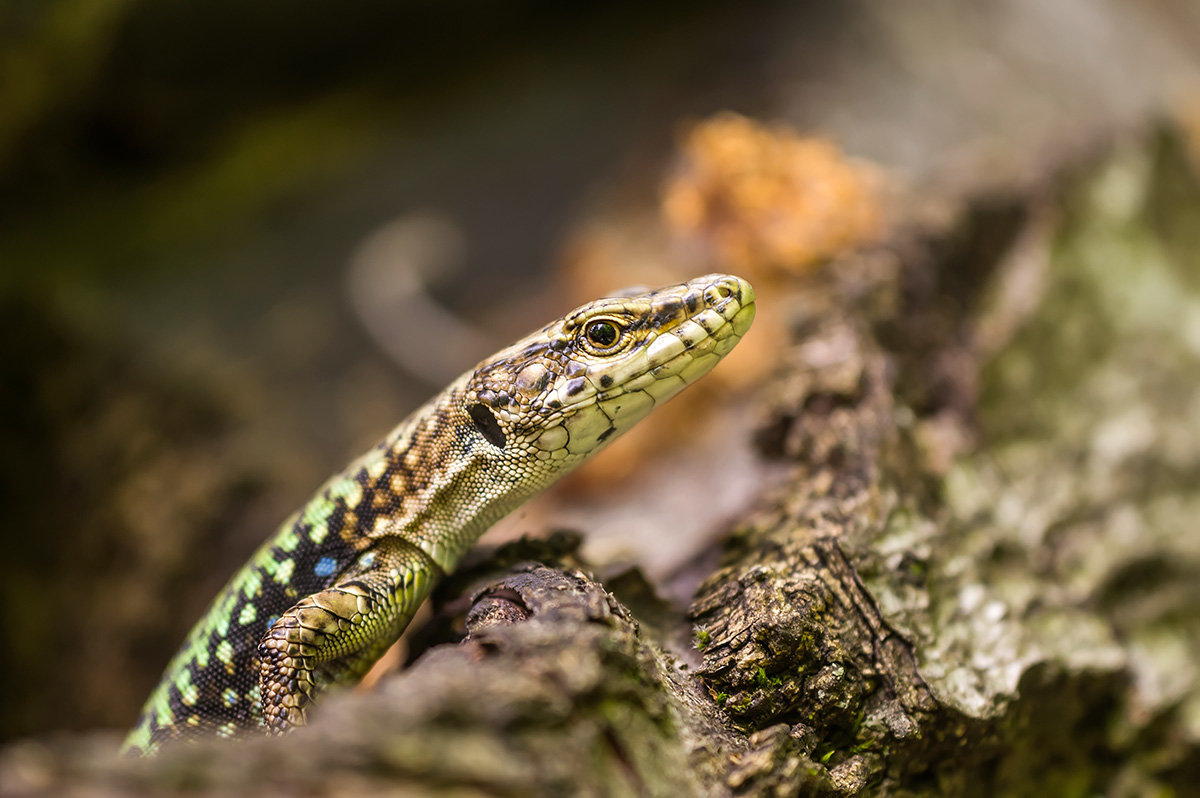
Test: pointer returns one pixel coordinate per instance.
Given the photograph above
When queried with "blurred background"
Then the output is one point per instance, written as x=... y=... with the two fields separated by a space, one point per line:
x=239 y=242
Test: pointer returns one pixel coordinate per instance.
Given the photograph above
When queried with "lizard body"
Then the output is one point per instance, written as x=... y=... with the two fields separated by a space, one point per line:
x=323 y=598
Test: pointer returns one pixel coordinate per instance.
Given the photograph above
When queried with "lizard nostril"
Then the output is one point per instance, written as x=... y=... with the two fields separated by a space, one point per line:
x=716 y=293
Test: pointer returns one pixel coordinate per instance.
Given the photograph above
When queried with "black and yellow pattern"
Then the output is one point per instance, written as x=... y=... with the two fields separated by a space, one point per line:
x=321 y=601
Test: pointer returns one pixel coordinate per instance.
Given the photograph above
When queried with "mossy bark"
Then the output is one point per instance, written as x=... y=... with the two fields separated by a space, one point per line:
x=980 y=576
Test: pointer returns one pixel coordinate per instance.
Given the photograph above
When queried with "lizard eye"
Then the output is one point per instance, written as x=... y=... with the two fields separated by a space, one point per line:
x=602 y=334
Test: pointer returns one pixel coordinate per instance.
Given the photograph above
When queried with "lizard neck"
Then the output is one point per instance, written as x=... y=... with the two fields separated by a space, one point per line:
x=438 y=483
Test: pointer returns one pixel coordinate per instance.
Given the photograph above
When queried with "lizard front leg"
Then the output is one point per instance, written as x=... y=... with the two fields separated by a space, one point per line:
x=336 y=635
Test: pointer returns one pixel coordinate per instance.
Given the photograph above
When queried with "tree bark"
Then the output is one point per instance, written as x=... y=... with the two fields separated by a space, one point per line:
x=979 y=577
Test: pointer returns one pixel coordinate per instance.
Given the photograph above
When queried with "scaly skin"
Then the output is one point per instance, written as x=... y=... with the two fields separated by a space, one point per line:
x=319 y=603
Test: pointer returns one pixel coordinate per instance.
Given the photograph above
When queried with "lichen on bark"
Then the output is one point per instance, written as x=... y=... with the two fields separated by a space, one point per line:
x=990 y=583
x=979 y=576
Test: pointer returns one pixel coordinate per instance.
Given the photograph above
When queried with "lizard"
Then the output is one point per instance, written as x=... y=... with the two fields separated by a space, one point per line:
x=334 y=587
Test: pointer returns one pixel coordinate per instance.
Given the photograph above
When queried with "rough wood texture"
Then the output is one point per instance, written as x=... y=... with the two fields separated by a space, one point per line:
x=980 y=576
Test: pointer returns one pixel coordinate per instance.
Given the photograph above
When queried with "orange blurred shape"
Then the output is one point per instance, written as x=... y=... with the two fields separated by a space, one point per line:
x=755 y=200
x=762 y=197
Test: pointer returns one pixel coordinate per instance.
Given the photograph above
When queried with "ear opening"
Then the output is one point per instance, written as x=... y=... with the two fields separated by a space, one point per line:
x=487 y=425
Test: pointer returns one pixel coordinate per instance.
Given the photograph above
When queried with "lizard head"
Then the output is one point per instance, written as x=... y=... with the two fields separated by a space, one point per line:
x=559 y=395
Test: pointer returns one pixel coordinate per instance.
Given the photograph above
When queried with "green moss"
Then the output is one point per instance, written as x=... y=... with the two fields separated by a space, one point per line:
x=761 y=679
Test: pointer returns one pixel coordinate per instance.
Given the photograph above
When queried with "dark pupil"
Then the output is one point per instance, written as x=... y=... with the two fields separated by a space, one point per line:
x=602 y=333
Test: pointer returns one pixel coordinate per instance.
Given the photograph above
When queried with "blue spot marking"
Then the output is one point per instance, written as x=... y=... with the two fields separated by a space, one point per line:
x=325 y=566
